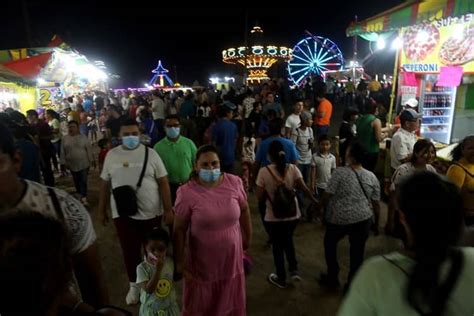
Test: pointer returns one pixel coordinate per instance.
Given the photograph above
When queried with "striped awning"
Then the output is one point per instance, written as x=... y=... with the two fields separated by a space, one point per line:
x=410 y=13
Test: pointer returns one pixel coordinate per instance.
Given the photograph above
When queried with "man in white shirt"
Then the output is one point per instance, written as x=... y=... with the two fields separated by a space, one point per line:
x=17 y=195
x=76 y=155
x=158 y=107
x=293 y=121
x=125 y=100
x=404 y=139
x=123 y=166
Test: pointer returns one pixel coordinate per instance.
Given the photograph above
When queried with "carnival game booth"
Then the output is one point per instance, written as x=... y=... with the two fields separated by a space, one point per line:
x=434 y=62
x=58 y=71
x=16 y=92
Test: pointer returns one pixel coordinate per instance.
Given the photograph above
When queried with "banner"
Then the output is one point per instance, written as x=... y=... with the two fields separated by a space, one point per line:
x=448 y=42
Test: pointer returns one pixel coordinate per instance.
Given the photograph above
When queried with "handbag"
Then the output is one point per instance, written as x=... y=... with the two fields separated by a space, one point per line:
x=125 y=196
x=374 y=219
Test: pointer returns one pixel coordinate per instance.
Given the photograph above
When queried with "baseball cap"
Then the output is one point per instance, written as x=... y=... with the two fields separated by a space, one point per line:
x=409 y=115
x=305 y=116
x=413 y=103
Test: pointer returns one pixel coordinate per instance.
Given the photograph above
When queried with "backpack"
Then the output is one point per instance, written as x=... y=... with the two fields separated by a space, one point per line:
x=284 y=202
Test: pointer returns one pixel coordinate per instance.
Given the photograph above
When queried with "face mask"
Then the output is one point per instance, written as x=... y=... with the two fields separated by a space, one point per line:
x=131 y=142
x=209 y=175
x=172 y=132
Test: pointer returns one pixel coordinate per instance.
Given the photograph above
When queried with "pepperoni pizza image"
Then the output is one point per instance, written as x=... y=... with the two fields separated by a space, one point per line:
x=419 y=41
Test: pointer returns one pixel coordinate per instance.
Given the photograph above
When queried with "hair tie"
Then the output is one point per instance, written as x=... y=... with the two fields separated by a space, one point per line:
x=281 y=153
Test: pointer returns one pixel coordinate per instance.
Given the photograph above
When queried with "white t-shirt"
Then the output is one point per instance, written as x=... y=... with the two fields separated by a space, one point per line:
x=265 y=180
x=404 y=171
x=123 y=167
x=76 y=218
x=158 y=109
x=248 y=150
x=125 y=103
x=324 y=165
x=302 y=139
x=401 y=146
x=248 y=106
x=293 y=121
x=379 y=287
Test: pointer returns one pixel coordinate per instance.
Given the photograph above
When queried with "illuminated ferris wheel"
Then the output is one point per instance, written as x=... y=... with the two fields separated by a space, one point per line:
x=312 y=56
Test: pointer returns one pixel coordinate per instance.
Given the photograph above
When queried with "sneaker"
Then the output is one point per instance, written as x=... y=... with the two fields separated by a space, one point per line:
x=295 y=276
x=133 y=295
x=273 y=279
x=325 y=281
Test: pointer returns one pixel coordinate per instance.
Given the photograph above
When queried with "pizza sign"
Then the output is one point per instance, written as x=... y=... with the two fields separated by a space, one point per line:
x=429 y=46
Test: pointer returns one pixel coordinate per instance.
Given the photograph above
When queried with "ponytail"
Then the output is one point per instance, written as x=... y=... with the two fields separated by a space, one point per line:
x=434 y=214
x=278 y=156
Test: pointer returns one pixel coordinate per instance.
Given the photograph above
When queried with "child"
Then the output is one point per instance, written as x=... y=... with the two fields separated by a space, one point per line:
x=248 y=159
x=105 y=146
x=322 y=165
x=155 y=277
x=92 y=125
x=102 y=122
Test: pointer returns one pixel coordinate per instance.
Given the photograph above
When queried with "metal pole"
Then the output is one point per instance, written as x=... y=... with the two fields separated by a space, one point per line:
x=245 y=44
x=394 y=81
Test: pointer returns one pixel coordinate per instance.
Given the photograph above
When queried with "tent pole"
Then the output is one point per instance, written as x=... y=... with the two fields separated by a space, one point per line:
x=394 y=81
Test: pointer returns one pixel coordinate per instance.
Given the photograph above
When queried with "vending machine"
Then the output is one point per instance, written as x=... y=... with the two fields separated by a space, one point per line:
x=437 y=109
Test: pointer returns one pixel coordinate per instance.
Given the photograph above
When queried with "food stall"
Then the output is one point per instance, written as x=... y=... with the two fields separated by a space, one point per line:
x=58 y=71
x=434 y=63
x=16 y=92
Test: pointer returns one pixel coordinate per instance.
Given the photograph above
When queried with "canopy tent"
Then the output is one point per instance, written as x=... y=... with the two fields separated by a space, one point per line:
x=409 y=13
x=29 y=67
x=7 y=75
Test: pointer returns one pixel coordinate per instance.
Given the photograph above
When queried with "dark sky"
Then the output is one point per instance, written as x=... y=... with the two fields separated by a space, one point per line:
x=131 y=38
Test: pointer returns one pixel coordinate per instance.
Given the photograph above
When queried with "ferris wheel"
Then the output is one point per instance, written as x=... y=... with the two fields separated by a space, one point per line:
x=312 y=56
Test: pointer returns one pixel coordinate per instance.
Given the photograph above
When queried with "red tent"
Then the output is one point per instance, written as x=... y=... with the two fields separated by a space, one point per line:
x=29 y=67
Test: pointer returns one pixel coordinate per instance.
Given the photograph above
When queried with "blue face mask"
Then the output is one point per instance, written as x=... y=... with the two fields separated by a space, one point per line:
x=209 y=175
x=172 y=132
x=131 y=142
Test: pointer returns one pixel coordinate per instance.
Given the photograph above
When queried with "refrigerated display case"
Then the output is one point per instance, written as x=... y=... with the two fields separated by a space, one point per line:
x=437 y=109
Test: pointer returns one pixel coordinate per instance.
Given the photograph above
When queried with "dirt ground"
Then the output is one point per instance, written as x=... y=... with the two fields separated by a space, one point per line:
x=303 y=298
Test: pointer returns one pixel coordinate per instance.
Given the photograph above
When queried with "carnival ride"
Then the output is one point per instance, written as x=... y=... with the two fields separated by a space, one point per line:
x=312 y=56
x=160 y=74
x=258 y=58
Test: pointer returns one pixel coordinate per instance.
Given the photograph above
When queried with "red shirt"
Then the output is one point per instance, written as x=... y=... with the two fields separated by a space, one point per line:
x=103 y=152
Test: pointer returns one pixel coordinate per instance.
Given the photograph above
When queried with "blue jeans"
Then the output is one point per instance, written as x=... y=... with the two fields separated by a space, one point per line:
x=80 y=181
x=321 y=130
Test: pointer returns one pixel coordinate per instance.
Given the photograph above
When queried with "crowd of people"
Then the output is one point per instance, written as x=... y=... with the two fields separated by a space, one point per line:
x=176 y=169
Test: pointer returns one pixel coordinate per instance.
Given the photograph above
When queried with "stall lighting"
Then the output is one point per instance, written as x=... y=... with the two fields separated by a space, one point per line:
x=381 y=43
x=41 y=81
x=397 y=43
x=214 y=80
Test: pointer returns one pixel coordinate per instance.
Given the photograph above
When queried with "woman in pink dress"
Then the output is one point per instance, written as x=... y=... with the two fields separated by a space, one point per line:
x=211 y=230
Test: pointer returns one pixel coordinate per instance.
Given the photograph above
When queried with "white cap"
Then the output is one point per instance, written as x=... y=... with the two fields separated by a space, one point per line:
x=413 y=103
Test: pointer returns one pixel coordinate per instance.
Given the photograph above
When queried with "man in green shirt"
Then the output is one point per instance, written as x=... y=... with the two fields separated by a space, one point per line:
x=178 y=154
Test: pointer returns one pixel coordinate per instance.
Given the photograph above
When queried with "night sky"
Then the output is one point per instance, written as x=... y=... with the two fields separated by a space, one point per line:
x=131 y=39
